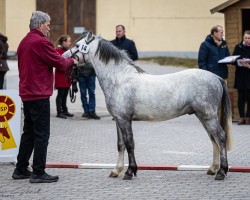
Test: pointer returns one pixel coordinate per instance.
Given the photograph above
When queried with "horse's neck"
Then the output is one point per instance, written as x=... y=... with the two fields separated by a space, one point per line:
x=110 y=70
x=108 y=75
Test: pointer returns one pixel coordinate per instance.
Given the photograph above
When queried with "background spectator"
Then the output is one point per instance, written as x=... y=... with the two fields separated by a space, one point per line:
x=242 y=78
x=124 y=43
x=87 y=80
x=3 y=58
x=213 y=49
x=62 y=84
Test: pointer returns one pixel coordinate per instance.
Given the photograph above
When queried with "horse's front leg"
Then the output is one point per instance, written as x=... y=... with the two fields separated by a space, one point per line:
x=121 y=148
x=127 y=134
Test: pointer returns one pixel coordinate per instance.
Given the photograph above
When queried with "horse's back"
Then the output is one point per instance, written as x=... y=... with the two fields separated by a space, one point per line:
x=195 y=80
x=163 y=97
x=198 y=74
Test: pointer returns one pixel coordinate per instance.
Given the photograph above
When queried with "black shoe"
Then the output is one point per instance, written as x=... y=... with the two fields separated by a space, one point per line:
x=21 y=175
x=67 y=114
x=86 y=114
x=61 y=115
x=93 y=115
x=45 y=178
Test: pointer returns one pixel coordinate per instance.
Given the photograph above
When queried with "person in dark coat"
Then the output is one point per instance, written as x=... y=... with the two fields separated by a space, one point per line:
x=242 y=78
x=3 y=58
x=213 y=49
x=62 y=84
x=124 y=43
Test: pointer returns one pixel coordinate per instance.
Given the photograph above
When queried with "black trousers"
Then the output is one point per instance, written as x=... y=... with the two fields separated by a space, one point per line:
x=2 y=73
x=61 y=100
x=243 y=97
x=36 y=133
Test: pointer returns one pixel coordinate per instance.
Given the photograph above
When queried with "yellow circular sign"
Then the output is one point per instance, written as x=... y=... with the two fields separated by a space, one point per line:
x=7 y=111
x=7 y=108
x=3 y=109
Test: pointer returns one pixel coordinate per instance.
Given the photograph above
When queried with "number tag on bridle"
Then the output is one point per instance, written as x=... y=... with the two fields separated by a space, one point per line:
x=84 y=48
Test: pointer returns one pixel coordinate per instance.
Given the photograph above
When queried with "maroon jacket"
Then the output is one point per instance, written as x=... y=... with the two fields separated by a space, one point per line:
x=36 y=57
x=60 y=80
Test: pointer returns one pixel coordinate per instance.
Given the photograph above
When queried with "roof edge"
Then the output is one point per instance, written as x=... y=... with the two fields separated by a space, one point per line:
x=222 y=6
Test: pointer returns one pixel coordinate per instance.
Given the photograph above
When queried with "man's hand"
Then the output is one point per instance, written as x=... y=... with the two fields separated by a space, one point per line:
x=75 y=61
x=245 y=64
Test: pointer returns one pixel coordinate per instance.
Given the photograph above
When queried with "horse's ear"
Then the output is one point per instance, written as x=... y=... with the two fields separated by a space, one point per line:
x=89 y=36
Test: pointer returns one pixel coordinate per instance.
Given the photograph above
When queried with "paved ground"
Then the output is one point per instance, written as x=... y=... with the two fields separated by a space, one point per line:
x=181 y=141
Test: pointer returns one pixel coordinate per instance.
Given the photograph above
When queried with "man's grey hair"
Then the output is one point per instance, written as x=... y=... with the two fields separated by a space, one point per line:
x=38 y=17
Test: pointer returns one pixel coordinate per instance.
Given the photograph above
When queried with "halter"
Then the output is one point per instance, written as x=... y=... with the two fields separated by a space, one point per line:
x=73 y=75
x=90 y=40
x=74 y=54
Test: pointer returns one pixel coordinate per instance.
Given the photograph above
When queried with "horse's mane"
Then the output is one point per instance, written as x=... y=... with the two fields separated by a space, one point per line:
x=107 y=52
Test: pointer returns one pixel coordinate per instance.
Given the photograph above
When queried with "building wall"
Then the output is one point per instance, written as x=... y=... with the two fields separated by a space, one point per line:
x=2 y=17
x=67 y=15
x=163 y=26
x=16 y=20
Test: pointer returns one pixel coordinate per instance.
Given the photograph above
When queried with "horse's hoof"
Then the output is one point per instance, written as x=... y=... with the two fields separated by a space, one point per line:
x=113 y=175
x=210 y=172
x=127 y=177
x=219 y=177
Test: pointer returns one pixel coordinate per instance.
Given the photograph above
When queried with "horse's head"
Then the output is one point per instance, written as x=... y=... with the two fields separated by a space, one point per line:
x=90 y=46
x=81 y=48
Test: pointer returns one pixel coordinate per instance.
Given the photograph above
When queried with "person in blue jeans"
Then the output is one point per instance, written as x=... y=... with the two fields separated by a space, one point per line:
x=86 y=80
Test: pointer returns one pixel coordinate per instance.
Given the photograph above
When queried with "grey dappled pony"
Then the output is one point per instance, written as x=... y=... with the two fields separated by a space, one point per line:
x=132 y=94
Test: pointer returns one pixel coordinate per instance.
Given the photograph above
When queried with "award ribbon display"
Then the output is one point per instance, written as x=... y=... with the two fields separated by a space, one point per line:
x=7 y=111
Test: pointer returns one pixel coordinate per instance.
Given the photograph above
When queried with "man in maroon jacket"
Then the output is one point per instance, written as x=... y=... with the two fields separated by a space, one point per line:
x=36 y=57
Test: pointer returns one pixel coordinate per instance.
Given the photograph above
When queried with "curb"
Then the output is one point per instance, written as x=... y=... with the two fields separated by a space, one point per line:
x=142 y=167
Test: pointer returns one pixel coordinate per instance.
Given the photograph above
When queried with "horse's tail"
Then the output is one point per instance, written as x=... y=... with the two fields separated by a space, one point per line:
x=226 y=115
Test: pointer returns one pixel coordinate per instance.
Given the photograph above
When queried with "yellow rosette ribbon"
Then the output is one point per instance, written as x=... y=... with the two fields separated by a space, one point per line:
x=7 y=111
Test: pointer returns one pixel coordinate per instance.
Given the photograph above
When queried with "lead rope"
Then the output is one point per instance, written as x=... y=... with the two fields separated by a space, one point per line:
x=72 y=75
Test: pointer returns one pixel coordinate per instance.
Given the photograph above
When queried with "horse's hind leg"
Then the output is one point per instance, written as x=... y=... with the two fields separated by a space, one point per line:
x=121 y=148
x=218 y=138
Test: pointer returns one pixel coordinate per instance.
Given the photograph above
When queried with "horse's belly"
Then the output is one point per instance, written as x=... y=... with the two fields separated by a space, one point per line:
x=161 y=114
x=153 y=116
x=150 y=118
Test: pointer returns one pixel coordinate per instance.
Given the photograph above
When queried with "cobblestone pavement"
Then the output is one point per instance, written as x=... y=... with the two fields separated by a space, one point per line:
x=181 y=141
